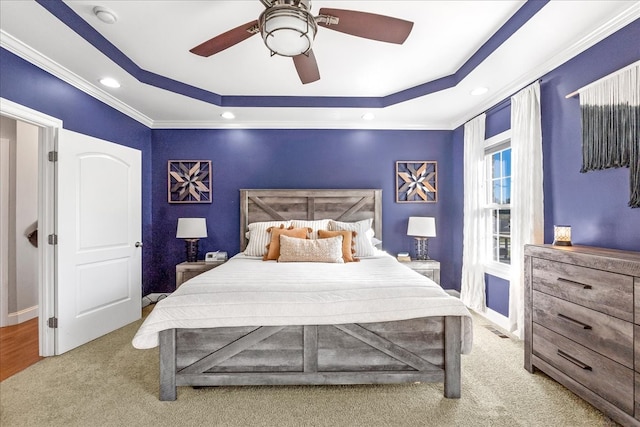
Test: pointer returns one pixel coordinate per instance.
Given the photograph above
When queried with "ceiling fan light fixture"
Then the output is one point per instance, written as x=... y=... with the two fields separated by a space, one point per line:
x=288 y=28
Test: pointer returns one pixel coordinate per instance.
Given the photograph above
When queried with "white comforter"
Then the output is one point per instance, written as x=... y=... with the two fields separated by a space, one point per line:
x=247 y=291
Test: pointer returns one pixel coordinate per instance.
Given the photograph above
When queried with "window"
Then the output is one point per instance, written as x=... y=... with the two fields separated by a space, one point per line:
x=498 y=173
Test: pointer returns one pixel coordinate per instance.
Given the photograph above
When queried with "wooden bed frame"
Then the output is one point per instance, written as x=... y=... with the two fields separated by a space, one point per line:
x=415 y=350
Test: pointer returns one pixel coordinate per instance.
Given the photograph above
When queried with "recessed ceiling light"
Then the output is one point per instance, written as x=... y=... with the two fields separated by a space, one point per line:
x=228 y=115
x=109 y=82
x=479 y=91
x=368 y=116
x=105 y=15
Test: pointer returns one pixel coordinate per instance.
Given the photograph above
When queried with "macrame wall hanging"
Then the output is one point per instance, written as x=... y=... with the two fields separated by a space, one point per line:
x=610 y=109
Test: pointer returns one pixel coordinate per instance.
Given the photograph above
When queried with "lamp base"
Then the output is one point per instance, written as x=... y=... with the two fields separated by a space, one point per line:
x=192 y=249
x=422 y=248
x=561 y=243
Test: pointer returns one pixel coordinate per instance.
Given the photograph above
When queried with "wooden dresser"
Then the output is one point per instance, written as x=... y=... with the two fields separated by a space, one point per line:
x=582 y=324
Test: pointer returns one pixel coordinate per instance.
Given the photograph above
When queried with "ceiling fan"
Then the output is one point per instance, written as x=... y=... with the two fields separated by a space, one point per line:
x=288 y=29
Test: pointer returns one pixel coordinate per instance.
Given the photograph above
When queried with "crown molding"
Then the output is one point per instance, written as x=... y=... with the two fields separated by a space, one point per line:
x=36 y=58
x=617 y=23
x=297 y=125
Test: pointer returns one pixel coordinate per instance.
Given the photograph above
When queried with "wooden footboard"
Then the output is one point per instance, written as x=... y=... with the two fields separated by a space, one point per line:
x=415 y=350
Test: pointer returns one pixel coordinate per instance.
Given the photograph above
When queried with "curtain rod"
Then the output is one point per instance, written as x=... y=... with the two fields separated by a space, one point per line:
x=502 y=104
x=574 y=93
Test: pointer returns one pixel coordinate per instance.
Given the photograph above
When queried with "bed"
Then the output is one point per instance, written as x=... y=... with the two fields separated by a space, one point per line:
x=254 y=322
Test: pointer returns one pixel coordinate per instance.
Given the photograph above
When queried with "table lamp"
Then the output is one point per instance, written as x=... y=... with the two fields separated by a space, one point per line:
x=562 y=235
x=191 y=229
x=421 y=228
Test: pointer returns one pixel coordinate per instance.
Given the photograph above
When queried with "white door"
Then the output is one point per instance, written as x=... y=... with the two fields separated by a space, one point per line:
x=99 y=233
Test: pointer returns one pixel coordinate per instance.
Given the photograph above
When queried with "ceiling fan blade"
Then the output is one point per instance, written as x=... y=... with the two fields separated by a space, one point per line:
x=226 y=40
x=307 y=68
x=368 y=25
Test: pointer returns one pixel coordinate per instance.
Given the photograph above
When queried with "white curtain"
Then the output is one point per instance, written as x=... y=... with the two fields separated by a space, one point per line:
x=472 y=291
x=527 y=208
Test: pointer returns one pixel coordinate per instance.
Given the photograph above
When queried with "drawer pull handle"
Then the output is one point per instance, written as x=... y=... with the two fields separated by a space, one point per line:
x=574 y=321
x=574 y=361
x=573 y=282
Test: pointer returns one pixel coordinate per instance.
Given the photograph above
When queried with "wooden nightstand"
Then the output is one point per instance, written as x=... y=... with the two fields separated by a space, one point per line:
x=429 y=268
x=188 y=270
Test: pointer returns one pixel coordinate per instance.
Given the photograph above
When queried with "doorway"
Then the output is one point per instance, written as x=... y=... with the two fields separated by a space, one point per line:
x=19 y=229
x=19 y=332
x=36 y=299
x=89 y=281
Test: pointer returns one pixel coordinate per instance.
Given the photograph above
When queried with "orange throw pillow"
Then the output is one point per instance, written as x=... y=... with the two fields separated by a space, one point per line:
x=273 y=248
x=347 y=242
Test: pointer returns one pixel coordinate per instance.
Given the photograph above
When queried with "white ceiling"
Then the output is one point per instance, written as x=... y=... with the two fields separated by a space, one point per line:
x=157 y=36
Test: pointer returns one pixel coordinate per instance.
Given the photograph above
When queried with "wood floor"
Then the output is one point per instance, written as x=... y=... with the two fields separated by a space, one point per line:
x=18 y=347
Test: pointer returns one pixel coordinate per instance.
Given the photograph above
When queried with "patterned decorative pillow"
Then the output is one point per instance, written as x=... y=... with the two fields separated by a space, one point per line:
x=348 y=242
x=315 y=225
x=364 y=246
x=273 y=248
x=259 y=238
x=307 y=250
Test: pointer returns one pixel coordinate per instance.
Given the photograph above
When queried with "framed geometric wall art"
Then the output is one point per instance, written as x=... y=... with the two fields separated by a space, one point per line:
x=189 y=181
x=416 y=181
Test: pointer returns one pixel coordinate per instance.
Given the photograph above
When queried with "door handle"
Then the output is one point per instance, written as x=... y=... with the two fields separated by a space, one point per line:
x=138 y=244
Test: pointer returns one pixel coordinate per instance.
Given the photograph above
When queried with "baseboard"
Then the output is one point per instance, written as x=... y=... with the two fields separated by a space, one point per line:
x=22 y=316
x=495 y=318
x=153 y=298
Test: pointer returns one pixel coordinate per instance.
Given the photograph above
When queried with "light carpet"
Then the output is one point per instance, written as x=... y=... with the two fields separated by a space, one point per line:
x=109 y=383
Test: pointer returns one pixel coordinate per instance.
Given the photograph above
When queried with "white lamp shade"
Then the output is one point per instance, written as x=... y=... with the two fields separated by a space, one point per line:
x=191 y=228
x=421 y=226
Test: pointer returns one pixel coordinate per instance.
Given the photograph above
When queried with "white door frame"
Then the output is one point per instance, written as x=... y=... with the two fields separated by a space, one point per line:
x=47 y=141
x=4 y=231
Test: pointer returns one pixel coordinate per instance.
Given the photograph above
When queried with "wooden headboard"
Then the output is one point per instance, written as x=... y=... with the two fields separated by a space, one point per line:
x=280 y=205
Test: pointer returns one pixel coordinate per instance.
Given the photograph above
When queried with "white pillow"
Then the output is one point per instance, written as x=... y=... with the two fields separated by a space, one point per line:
x=315 y=225
x=259 y=238
x=293 y=249
x=364 y=234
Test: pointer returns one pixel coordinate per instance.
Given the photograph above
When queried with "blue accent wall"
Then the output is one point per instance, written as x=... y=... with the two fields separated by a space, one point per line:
x=497 y=294
x=28 y=85
x=593 y=203
x=299 y=159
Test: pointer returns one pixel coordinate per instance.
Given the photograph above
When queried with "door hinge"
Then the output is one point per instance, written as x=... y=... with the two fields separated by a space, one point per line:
x=53 y=156
x=52 y=322
x=52 y=239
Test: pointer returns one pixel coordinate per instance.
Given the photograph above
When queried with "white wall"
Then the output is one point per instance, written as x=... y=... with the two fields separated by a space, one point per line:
x=20 y=259
x=26 y=215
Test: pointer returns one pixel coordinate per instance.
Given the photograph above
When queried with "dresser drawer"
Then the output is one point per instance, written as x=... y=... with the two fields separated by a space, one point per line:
x=604 y=291
x=609 y=379
x=602 y=333
x=427 y=272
